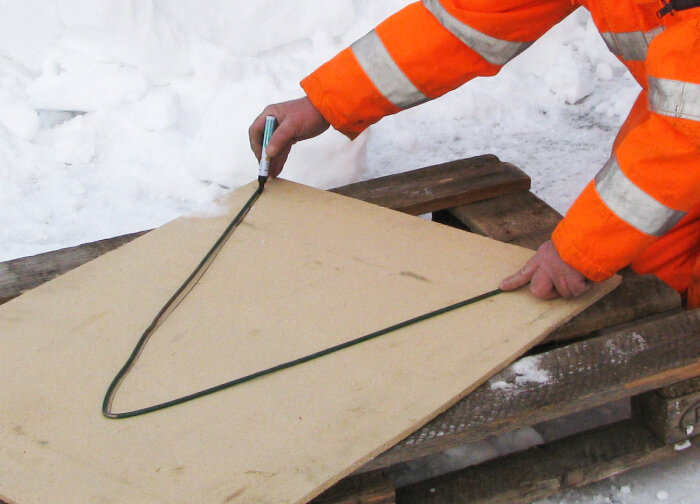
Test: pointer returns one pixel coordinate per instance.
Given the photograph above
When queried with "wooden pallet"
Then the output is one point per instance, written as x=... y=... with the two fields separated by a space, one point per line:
x=635 y=343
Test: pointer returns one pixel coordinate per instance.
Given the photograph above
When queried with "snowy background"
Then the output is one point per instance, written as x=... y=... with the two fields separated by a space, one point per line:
x=120 y=115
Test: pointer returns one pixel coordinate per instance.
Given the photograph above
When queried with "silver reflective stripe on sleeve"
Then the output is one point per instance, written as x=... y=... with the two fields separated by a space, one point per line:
x=384 y=73
x=631 y=46
x=674 y=98
x=493 y=50
x=633 y=205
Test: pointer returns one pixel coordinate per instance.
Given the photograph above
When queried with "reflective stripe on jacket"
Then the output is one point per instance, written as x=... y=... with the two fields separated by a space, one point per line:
x=651 y=180
x=424 y=51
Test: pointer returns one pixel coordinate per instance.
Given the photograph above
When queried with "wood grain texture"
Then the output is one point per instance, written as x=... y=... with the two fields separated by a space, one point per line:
x=582 y=375
x=291 y=282
x=521 y=219
x=545 y=470
x=672 y=420
x=441 y=186
x=681 y=388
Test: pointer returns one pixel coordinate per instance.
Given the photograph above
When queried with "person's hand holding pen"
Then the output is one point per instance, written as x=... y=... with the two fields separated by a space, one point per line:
x=296 y=120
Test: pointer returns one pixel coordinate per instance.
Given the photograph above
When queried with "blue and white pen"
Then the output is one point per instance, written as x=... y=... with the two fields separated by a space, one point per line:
x=263 y=172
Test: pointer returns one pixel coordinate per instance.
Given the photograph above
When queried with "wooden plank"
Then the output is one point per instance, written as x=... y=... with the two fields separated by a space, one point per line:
x=367 y=488
x=672 y=420
x=681 y=388
x=441 y=186
x=521 y=219
x=581 y=376
x=545 y=470
x=291 y=281
x=524 y=219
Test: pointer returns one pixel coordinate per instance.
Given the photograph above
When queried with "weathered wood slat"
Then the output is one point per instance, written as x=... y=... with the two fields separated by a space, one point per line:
x=544 y=470
x=368 y=488
x=681 y=388
x=524 y=219
x=582 y=375
x=672 y=420
x=521 y=219
x=441 y=186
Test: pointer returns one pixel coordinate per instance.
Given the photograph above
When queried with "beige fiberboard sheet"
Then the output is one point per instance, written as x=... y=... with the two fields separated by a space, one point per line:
x=308 y=269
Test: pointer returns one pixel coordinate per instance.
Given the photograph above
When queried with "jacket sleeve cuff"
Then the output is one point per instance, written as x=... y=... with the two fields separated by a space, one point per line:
x=572 y=255
x=315 y=92
x=345 y=96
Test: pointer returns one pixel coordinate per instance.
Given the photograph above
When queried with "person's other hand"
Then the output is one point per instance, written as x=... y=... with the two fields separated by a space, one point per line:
x=296 y=120
x=548 y=275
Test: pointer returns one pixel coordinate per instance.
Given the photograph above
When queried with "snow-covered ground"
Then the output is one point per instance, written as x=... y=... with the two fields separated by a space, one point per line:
x=119 y=115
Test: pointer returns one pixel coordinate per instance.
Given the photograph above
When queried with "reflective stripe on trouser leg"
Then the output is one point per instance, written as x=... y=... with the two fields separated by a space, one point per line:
x=384 y=73
x=674 y=98
x=632 y=204
x=495 y=51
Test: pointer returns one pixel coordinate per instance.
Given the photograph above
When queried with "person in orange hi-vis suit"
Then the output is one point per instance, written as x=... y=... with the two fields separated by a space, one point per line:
x=643 y=207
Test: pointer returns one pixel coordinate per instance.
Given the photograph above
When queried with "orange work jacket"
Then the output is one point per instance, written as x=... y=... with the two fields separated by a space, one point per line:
x=651 y=181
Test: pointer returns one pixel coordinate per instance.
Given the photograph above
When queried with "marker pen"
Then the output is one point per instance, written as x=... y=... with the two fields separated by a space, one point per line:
x=264 y=170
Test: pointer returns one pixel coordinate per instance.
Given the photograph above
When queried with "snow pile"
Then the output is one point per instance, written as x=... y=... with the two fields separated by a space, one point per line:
x=118 y=116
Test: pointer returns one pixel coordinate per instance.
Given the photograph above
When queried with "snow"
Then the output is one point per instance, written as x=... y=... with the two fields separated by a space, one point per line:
x=118 y=116
x=525 y=370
